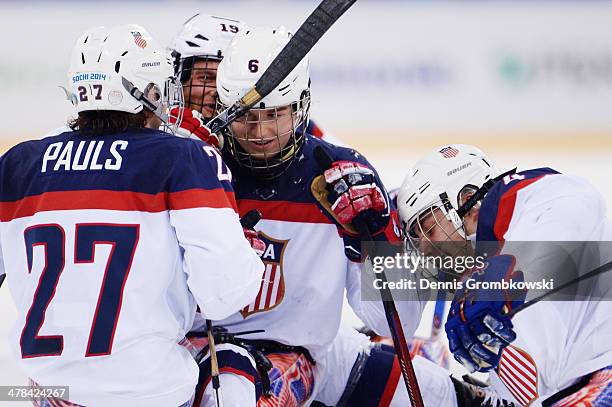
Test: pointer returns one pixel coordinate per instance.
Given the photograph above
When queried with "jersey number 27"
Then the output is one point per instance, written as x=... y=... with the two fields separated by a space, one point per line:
x=122 y=238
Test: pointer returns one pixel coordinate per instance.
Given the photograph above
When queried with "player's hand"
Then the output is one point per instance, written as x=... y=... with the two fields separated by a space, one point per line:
x=248 y=222
x=478 y=327
x=191 y=125
x=353 y=192
x=256 y=243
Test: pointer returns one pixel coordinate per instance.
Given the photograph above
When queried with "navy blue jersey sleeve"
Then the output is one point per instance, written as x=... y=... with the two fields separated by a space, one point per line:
x=199 y=178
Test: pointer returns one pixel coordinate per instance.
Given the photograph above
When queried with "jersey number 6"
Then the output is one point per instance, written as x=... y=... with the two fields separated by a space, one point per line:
x=52 y=237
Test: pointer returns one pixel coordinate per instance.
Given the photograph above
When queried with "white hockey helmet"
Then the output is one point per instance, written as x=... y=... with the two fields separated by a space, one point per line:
x=247 y=58
x=196 y=51
x=204 y=35
x=120 y=69
x=443 y=179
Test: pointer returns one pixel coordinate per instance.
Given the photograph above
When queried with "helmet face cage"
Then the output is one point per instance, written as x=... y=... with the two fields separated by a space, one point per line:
x=198 y=76
x=419 y=229
x=172 y=96
x=282 y=128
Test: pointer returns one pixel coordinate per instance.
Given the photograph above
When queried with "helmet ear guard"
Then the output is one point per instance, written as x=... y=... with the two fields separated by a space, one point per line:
x=155 y=106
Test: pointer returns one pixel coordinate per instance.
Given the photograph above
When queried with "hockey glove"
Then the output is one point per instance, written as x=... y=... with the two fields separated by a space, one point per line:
x=353 y=191
x=478 y=327
x=191 y=125
x=256 y=243
x=349 y=191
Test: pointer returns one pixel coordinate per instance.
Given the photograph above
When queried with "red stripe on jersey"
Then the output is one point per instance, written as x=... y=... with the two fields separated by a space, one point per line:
x=505 y=207
x=271 y=286
x=284 y=211
x=392 y=381
x=116 y=200
x=255 y=304
x=196 y=198
x=316 y=131
x=224 y=369
x=279 y=286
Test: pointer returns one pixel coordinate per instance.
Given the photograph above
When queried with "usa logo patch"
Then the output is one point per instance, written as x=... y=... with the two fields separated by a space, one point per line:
x=272 y=290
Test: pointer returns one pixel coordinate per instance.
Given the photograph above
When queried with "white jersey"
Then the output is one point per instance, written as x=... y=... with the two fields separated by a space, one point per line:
x=434 y=381
x=108 y=244
x=307 y=272
x=558 y=342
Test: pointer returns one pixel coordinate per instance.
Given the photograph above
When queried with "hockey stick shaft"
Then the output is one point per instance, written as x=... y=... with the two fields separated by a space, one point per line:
x=599 y=270
x=2 y=277
x=248 y=221
x=309 y=33
x=391 y=314
x=214 y=364
x=395 y=327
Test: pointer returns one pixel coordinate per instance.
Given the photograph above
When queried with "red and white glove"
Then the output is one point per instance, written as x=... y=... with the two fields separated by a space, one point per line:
x=191 y=125
x=256 y=243
x=353 y=190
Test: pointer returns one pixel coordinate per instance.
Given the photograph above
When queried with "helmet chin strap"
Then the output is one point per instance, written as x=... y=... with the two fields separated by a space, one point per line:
x=480 y=193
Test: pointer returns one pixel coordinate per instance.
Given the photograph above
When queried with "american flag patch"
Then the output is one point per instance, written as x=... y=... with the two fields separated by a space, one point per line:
x=291 y=380
x=272 y=289
x=519 y=373
x=449 y=152
x=141 y=42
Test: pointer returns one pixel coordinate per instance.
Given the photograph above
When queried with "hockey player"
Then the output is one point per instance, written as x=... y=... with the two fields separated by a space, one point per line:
x=353 y=360
x=271 y=159
x=555 y=352
x=112 y=233
x=197 y=51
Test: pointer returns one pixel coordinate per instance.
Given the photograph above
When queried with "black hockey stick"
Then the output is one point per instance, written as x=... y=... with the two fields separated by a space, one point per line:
x=2 y=277
x=311 y=31
x=393 y=320
x=248 y=221
x=599 y=270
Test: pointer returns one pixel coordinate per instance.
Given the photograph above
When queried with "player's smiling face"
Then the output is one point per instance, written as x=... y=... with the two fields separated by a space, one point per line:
x=201 y=90
x=263 y=133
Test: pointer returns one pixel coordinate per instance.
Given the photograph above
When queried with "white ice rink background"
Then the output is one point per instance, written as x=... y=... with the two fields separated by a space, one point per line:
x=530 y=82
